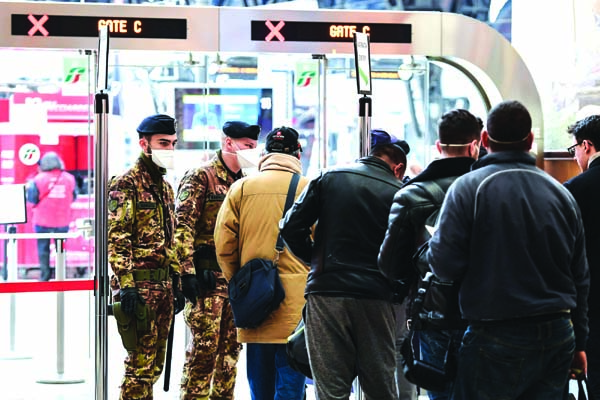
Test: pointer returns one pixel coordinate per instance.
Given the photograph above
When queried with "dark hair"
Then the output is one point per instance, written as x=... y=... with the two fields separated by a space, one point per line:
x=509 y=126
x=459 y=127
x=586 y=129
x=392 y=151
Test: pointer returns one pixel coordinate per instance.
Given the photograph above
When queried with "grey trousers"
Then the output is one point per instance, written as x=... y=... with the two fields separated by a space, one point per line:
x=349 y=338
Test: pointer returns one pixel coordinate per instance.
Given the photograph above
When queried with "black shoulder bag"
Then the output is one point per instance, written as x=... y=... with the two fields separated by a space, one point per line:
x=255 y=291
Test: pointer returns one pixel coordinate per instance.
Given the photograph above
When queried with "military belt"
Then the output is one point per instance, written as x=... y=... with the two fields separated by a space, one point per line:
x=155 y=275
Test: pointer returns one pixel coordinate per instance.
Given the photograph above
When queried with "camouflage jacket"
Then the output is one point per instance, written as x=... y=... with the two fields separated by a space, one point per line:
x=141 y=222
x=199 y=197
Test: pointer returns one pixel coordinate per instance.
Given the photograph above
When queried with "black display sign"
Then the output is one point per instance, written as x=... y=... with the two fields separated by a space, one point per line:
x=85 y=26
x=303 y=31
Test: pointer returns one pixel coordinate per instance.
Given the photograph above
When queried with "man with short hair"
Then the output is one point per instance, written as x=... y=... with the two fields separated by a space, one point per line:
x=141 y=252
x=210 y=367
x=419 y=198
x=513 y=237
x=586 y=190
x=248 y=224
x=350 y=324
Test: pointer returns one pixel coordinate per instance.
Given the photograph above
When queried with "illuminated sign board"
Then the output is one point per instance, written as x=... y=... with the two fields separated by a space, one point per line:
x=302 y=31
x=85 y=26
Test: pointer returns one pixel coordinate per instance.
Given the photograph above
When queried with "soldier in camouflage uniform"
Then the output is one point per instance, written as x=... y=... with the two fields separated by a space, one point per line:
x=142 y=254
x=210 y=367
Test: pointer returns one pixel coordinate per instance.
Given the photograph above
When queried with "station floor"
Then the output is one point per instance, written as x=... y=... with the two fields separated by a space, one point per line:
x=30 y=361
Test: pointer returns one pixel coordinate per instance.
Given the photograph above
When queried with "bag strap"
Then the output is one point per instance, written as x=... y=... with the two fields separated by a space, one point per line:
x=288 y=203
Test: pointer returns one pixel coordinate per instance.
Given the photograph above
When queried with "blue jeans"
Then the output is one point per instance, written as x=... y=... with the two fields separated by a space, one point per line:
x=269 y=375
x=43 y=248
x=434 y=345
x=527 y=360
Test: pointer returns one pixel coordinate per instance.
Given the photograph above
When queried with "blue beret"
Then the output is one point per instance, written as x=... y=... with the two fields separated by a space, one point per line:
x=158 y=123
x=239 y=129
x=380 y=137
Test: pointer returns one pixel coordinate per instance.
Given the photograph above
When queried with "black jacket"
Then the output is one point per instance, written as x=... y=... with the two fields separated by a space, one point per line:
x=513 y=236
x=350 y=205
x=411 y=207
x=586 y=190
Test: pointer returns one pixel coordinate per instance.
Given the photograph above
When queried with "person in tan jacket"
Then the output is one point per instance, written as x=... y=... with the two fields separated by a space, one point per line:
x=247 y=228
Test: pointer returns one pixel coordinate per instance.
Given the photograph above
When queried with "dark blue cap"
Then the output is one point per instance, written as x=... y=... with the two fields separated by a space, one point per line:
x=239 y=129
x=379 y=137
x=158 y=123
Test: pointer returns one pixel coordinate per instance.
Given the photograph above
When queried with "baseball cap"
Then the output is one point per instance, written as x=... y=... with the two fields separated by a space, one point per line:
x=379 y=137
x=282 y=140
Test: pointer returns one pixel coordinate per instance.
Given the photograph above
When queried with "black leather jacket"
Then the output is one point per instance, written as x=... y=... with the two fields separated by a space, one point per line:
x=350 y=205
x=411 y=207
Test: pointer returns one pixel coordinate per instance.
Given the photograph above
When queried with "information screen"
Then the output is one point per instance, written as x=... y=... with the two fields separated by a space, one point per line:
x=302 y=31
x=14 y=208
x=201 y=113
x=85 y=26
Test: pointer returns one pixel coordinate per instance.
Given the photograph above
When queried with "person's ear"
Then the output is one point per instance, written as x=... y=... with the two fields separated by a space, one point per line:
x=143 y=143
x=399 y=170
x=485 y=139
x=474 y=149
x=530 y=139
x=438 y=146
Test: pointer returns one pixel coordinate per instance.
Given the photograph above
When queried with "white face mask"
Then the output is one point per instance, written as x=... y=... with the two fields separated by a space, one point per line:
x=164 y=158
x=249 y=158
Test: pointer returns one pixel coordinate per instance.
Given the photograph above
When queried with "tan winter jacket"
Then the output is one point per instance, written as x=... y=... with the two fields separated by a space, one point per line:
x=247 y=228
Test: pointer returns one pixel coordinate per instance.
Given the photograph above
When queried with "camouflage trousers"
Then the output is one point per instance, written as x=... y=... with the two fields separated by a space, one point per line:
x=211 y=355
x=144 y=366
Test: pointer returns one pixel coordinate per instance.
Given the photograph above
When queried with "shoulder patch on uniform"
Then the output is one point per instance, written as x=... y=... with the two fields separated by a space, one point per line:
x=113 y=204
x=184 y=195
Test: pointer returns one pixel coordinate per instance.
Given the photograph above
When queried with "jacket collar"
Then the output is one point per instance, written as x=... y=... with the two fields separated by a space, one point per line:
x=280 y=162
x=504 y=157
x=377 y=162
x=153 y=170
x=444 y=168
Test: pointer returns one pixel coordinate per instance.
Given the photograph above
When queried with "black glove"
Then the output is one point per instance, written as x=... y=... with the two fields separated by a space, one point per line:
x=190 y=287
x=207 y=280
x=178 y=297
x=130 y=297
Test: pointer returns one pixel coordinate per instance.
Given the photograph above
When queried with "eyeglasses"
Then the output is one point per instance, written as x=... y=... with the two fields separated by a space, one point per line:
x=571 y=149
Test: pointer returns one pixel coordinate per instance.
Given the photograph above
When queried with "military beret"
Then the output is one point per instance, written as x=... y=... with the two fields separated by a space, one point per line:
x=380 y=137
x=282 y=140
x=239 y=129
x=158 y=123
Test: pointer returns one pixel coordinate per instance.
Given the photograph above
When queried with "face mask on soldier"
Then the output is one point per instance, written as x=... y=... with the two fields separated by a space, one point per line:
x=163 y=158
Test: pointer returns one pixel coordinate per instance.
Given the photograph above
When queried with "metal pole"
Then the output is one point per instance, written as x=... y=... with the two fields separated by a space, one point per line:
x=364 y=117
x=101 y=241
x=11 y=266
x=60 y=267
x=60 y=307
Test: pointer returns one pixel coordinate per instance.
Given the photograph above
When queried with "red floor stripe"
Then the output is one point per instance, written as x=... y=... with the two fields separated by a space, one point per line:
x=51 y=286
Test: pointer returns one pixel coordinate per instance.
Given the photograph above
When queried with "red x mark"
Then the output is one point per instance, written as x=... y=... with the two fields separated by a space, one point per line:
x=274 y=31
x=37 y=25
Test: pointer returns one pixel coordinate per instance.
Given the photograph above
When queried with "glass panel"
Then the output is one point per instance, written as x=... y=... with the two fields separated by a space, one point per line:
x=46 y=122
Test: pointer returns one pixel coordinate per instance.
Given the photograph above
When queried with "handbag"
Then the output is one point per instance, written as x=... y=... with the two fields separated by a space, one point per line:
x=417 y=370
x=296 y=351
x=255 y=291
